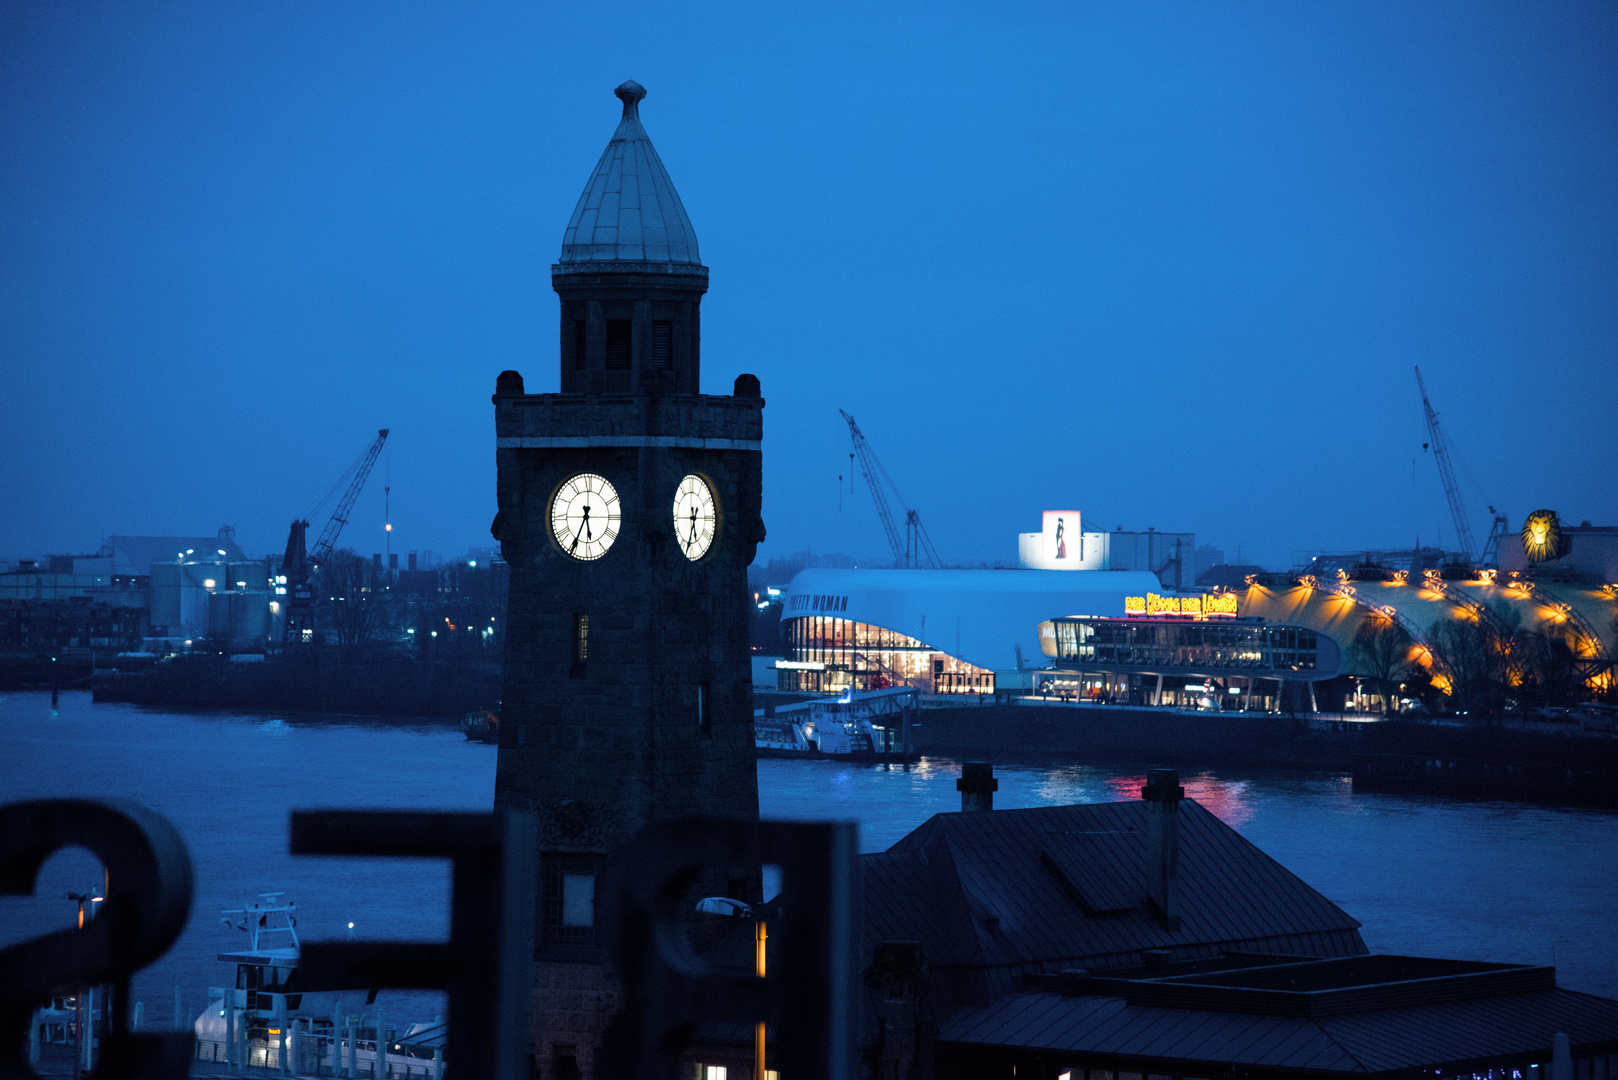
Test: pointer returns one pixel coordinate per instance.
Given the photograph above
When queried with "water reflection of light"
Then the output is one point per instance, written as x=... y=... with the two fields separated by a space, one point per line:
x=1227 y=800
x=1070 y=784
x=1125 y=788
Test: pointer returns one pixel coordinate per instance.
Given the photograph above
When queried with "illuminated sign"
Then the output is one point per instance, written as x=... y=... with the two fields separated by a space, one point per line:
x=1153 y=604
x=1164 y=605
x=800 y=665
x=817 y=602
x=1542 y=538
x=1060 y=538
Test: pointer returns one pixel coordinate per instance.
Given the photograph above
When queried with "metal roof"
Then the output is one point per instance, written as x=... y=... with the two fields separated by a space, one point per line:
x=136 y=554
x=1381 y=1041
x=629 y=211
x=1066 y=886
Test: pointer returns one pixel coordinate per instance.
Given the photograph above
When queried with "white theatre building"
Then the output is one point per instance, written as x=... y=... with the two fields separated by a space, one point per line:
x=1099 y=615
x=949 y=631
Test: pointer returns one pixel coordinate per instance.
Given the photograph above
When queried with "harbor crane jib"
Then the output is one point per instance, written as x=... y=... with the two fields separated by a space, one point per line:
x=1490 y=555
x=914 y=548
x=298 y=563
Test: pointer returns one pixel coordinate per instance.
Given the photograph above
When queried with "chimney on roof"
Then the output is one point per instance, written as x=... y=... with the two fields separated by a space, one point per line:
x=1162 y=795
x=977 y=786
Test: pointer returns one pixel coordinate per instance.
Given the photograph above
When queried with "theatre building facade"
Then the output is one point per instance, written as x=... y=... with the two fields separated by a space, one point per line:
x=1102 y=635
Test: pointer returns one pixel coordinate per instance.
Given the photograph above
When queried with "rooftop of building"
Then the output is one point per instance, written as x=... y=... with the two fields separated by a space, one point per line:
x=1358 y=1016
x=629 y=211
x=1051 y=886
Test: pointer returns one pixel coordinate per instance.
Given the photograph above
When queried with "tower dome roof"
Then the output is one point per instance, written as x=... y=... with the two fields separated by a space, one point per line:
x=629 y=211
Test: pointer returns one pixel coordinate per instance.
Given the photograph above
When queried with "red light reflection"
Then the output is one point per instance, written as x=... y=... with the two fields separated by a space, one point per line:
x=1227 y=800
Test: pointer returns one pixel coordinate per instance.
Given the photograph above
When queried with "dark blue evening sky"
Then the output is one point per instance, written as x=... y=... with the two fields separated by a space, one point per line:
x=1169 y=265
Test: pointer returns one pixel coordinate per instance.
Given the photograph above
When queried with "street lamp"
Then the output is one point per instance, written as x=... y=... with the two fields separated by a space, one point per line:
x=80 y=1015
x=730 y=908
x=85 y=898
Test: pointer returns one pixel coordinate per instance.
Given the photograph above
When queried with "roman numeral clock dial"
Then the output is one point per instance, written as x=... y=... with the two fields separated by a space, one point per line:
x=584 y=516
x=695 y=518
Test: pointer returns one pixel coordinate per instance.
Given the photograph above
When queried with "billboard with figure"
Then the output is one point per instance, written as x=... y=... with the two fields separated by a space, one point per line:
x=1062 y=538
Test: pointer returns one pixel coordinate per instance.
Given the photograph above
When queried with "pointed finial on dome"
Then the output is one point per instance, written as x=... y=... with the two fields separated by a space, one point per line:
x=630 y=93
x=629 y=210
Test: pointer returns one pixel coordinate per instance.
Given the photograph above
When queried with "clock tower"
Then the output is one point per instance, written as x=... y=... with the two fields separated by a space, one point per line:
x=628 y=512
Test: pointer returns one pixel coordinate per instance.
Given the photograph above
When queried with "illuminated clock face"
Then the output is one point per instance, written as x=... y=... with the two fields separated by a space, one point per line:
x=695 y=519
x=584 y=516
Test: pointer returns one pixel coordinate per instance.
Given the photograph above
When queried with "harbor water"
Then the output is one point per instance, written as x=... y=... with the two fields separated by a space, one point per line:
x=1483 y=880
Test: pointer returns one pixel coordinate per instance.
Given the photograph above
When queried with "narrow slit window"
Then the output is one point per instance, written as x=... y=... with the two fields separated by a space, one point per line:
x=704 y=709
x=581 y=344
x=581 y=644
x=618 y=351
x=663 y=344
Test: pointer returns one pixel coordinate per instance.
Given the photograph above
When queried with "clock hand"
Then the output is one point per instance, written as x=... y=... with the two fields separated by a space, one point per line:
x=693 y=524
x=587 y=534
x=574 y=544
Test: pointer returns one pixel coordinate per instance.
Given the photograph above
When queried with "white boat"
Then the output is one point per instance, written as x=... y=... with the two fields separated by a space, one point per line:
x=270 y=1018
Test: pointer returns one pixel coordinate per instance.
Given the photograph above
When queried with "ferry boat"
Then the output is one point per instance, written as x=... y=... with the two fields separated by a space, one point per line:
x=271 y=1018
x=872 y=725
x=482 y=725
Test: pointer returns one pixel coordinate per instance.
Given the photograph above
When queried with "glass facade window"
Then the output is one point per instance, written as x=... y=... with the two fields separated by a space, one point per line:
x=1264 y=650
x=862 y=656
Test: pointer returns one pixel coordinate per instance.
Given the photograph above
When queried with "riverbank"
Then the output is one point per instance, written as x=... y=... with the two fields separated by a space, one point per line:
x=1472 y=760
x=390 y=687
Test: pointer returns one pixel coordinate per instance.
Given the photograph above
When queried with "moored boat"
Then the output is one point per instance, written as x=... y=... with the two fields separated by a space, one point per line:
x=274 y=1018
x=482 y=725
x=873 y=725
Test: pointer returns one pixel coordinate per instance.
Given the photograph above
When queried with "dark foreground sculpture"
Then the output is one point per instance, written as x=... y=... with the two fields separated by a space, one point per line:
x=486 y=967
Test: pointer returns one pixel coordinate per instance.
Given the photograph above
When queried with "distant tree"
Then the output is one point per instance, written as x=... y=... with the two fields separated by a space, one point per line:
x=460 y=618
x=1482 y=657
x=1380 y=653
x=1547 y=667
x=354 y=598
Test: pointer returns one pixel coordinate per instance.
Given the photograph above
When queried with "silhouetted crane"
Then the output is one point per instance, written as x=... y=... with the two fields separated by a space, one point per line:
x=913 y=549
x=297 y=564
x=1490 y=555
